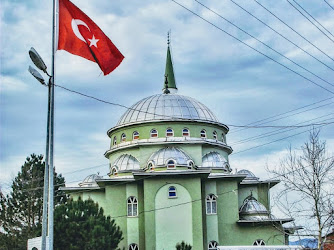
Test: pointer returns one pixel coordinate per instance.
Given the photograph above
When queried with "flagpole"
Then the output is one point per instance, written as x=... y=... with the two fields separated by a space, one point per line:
x=46 y=175
x=51 y=168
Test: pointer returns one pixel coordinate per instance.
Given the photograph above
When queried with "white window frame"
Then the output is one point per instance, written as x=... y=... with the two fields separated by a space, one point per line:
x=203 y=133
x=132 y=206
x=172 y=191
x=154 y=134
x=123 y=137
x=213 y=245
x=188 y=132
x=223 y=138
x=133 y=246
x=214 y=134
x=114 y=171
x=259 y=242
x=169 y=165
x=191 y=164
x=135 y=134
x=210 y=202
x=169 y=132
x=114 y=142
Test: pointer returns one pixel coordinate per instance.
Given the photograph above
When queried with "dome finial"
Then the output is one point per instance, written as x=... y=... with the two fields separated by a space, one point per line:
x=169 y=71
x=168 y=41
x=166 y=90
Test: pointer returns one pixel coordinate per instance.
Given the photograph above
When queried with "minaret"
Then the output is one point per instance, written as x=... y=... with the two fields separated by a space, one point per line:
x=169 y=72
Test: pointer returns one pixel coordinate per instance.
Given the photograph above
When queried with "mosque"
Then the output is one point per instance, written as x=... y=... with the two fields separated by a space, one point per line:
x=170 y=179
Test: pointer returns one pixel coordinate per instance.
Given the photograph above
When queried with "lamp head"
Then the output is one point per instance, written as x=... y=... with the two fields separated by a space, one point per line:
x=37 y=75
x=37 y=59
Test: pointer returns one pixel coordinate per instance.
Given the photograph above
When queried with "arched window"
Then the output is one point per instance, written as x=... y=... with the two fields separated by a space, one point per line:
x=214 y=135
x=114 y=171
x=135 y=135
x=259 y=242
x=133 y=246
x=169 y=132
x=123 y=137
x=150 y=166
x=170 y=164
x=213 y=245
x=132 y=206
x=114 y=141
x=172 y=192
x=203 y=133
x=154 y=133
x=211 y=204
x=185 y=132
x=190 y=164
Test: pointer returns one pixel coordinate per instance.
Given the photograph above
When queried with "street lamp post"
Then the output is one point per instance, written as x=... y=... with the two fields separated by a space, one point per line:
x=48 y=192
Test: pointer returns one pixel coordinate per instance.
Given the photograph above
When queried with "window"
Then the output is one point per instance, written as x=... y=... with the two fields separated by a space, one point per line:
x=259 y=242
x=170 y=164
x=211 y=204
x=185 y=132
x=169 y=132
x=154 y=133
x=172 y=192
x=223 y=138
x=214 y=135
x=190 y=164
x=114 y=171
x=114 y=142
x=123 y=137
x=133 y=246
x=132 y=206
x=135 y=135
x=213 y=245
x=150 y=166
x=203 y=133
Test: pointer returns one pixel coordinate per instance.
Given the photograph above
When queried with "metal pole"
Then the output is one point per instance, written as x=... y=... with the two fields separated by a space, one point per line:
x=51 y=169
x=46 y=175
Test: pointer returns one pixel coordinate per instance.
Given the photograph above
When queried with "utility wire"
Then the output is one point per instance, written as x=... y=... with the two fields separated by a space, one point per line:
x=151 y=113
x=309 y=20
x=269 y=47
x=277 y=115
x=252 y=47
x=280 y=118
x=279 y=131
x=329 y=4
x=312 y=17
x=238 y=152
x=287 y=39
x=293 y=30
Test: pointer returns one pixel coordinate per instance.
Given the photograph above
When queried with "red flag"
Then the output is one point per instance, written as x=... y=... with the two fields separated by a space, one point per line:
x=79 y=35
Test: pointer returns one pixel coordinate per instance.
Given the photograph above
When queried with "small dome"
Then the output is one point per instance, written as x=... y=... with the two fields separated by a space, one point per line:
x=214 y=160
x=251 y=209
x=167 y=107
x=126 y=163
x=162 y=156
x=250 y=176
x=90 y=181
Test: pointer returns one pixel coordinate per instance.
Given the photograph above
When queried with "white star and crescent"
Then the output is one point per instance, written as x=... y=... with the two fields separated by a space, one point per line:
x=75 y=23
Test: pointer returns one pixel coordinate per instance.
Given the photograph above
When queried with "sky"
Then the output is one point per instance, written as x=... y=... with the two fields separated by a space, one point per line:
x=239 y=84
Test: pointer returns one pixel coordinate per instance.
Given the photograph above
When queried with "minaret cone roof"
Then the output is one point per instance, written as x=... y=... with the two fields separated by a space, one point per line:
x=169 y=72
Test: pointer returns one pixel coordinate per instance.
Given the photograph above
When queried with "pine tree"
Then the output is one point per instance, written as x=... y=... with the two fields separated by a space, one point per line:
x=81 y=225
x=21 y=210
x=183 y=246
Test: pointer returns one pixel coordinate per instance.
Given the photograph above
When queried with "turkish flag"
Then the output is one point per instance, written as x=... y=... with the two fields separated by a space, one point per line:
x=79 y=35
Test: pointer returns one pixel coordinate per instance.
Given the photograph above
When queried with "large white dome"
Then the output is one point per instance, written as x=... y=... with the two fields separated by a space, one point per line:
x=167 y=107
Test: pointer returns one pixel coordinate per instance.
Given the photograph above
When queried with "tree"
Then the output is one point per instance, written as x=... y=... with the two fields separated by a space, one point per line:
x=82 y=225
x=183 y=246
x=21 y=210
x=310 y=175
